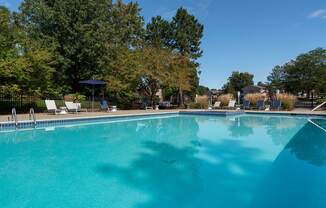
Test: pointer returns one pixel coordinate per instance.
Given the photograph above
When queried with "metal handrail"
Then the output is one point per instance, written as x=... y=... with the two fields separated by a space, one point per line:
x=319 y=106
x=32 y=116
x=14 y=116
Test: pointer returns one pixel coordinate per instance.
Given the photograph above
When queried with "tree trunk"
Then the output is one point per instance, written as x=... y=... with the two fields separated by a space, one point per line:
x=181 y=102
x=152 y=99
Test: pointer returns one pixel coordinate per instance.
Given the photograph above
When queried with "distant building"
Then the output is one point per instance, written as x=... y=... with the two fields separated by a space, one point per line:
x=254 y=89
x=215 y=93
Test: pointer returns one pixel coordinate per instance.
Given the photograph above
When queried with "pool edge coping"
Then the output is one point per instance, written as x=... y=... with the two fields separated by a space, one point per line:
x=29 y=123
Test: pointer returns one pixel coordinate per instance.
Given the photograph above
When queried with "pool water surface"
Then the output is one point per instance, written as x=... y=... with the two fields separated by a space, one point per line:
x=167 y=162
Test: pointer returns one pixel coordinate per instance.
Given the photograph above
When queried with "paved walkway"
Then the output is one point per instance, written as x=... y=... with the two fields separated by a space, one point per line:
x=42 y=116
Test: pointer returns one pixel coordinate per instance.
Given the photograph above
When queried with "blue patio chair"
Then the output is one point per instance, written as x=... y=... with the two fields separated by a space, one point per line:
x=104 y=105
x=276 y=104
x=246 y=104
x=261 y=105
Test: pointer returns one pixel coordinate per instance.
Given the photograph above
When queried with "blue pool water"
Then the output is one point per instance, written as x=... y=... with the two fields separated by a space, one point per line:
x=167 y=162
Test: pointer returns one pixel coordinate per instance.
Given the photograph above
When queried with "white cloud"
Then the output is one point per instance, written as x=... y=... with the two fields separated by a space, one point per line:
x=320 y=13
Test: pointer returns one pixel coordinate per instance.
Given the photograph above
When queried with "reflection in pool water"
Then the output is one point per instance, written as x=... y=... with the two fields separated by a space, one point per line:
x=297 y=178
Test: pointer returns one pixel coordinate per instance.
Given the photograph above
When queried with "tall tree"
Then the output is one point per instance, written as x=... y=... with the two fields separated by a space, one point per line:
x=75 y=30
x=276 y=78
x=153 y=71
x=23 y=62
x=305 y=73
x=187 y=33
x=183 y=72
x=237 y=81
x=121 y=76
x=82 y=33
x=127 y=24
x=8 y=53
x=158 y=32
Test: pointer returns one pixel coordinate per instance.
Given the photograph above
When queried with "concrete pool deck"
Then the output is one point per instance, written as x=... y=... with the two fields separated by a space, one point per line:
x=46 y=116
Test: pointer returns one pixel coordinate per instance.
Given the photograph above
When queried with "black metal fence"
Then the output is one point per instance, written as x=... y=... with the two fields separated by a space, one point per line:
x=23 y=103
x=20 y=102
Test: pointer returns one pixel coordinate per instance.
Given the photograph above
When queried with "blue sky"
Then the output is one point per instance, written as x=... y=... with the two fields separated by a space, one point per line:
x=251 y=35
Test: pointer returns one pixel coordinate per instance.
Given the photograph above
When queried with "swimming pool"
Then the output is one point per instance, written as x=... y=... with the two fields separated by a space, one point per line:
x=167 y=161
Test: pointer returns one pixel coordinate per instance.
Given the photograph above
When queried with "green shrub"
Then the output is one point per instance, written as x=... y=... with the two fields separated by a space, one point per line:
x=75 y=97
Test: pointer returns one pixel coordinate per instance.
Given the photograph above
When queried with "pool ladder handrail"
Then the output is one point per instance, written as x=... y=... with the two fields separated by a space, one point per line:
x=14 y=117
x=319 y=106
x=32 y=116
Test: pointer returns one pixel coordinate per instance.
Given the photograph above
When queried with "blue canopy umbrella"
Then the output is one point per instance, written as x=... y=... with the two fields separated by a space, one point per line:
x=93 y=83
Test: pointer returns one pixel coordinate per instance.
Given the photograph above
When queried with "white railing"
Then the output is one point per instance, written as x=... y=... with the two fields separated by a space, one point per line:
x=32 y=116
x=14 y=116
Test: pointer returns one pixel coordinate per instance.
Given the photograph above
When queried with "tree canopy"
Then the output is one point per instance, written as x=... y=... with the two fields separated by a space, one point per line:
x=237 y=81
x=159 y=32
x=305 y=73
x=24 y=63
x=49 y=46
x=187 y=33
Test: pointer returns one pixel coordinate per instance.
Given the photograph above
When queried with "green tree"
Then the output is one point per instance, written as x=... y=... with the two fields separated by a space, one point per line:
x=306 y=73
x=237 y=81
x=153 y=71
x=139 y=73
x=187 y=33
x=158 y=32
x=127 y=25
x=276 y=79
x=202 y=90
x=121 y=76
x=23 y=62
x=7 y=45
x=182 y=76
x=82 y=34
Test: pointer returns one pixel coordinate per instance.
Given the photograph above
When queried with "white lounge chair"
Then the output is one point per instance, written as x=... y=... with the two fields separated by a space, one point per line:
x=217 y=104
x=71 y=106
x=51 y=106
x=231 y=104
x=80 y=109
x=74 y=107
